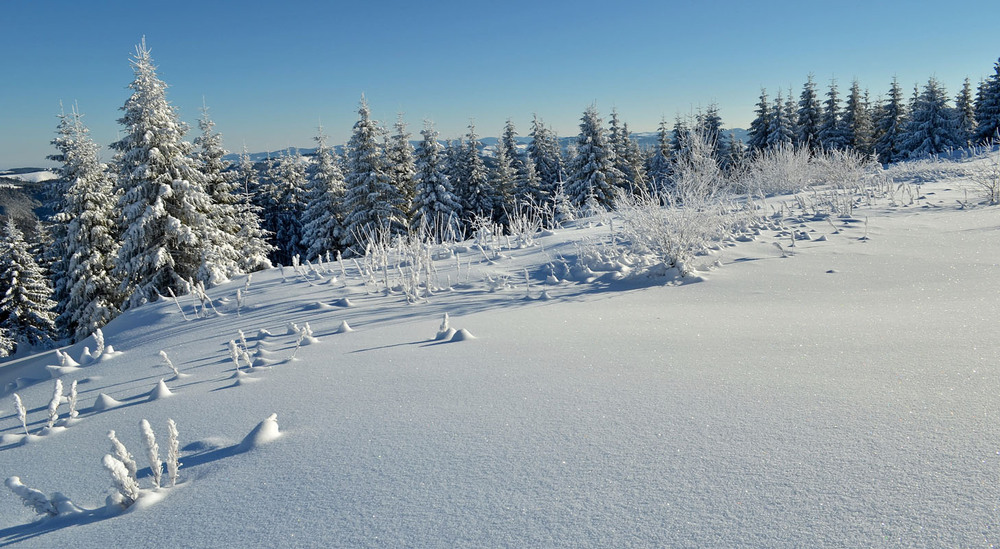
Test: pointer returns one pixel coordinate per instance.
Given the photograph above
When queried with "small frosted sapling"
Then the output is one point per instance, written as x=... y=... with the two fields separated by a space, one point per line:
x=72 y=400
x=99 y=340
x=173 y=452
x=122 y=454
x=22 y=414
x=152 y=452
x=178 y=303
x=126 y=485
x=54 y=404
x=166 y=360
x=234 y=354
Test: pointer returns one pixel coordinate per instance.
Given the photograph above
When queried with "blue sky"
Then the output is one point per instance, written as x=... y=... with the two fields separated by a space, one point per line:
x=271 y=73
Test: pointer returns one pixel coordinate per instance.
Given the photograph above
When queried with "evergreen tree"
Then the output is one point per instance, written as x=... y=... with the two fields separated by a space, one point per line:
x=371 y=202
x=435 y=206
x=658 y=168
x=890 y=126
x=90 y=242
x=965 y=110
x=810 y=117
x=504 y=181
x=545 y=153
x=221 y=188
x=710 y=125
x=26 y=306
x=509 y=138
x=618 y=140
x=781 y=132
x=931 y=128
x=760 y=127
x=474 y=190
x=252 y=238
x=833 y=133
x=857 y=120
x=528 y=187
x=399 y=155
x=7 y=345
x=167 y=218
x=988 y=108
x=290 y=194
x=323 y=218
x=593 y=174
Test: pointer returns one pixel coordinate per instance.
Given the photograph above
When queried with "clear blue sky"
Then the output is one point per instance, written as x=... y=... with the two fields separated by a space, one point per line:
x=270 y=73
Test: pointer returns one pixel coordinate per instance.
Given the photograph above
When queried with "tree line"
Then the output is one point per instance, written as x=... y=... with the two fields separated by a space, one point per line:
x=167 y=215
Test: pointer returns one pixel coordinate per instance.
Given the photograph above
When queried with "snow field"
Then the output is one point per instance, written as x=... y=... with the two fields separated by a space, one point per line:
x=841 y=396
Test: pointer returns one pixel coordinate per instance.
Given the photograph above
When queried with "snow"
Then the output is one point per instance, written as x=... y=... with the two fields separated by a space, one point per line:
x=844 y=395
x=31 y=177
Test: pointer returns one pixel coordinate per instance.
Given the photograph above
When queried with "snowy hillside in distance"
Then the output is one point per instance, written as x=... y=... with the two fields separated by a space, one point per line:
x=841 y=392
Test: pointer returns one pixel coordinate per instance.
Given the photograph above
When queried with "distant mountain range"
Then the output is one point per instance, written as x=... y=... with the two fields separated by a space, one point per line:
x=645 y=139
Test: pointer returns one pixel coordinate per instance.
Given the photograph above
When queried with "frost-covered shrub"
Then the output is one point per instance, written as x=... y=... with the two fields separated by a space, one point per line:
x=72 y=400
x=125 y=484
x=986 y=176
x=122 y=454
x=173 y=452
x=31 y=498
x=674 y=233
x=776 y=170
x=54 y=404
x=152 y=452
x=22 y=414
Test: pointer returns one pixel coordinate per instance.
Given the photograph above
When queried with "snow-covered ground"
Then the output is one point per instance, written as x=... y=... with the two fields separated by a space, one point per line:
x=844 y=396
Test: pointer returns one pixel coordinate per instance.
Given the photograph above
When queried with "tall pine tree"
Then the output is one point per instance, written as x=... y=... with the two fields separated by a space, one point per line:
x=810 y=117
x=435 y=207
x=931 y=128
x=323 y=217
x=593 y=174
x=167 y=219
x=988 y=108
x=26 y=306
x=890 y=126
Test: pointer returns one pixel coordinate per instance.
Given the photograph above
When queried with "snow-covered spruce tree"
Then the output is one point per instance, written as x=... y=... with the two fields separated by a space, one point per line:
x=473 y=188
x=761 y=125
x=503 y=180
x=697 y=175
x=931 y=127
x=6 y=343
x=857 y=120
x=781 y=132
x=167 y=216
x=26 y=306
x=965 y=111
x=593 y=176
x=810 y=117
x=323 y=222
x=988 y=108
x=658 y=168
x=710 y=124
x=371 y=202
x=221 y=186
x=399 y=155
x=290 y=187
x=629 y=160
x=832 y=133
x=252 y=238
x=91 y=292
x=435 y=205
x=890 y=126
x=55 y=193
x=545 y=153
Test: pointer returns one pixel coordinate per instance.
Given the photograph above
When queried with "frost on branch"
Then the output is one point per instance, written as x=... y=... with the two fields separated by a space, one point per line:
x=122 y=454
x=173 y=452
x=152 y=452
x=124 y=483
x=54 y=404
x=22 y=414
x=31 y=498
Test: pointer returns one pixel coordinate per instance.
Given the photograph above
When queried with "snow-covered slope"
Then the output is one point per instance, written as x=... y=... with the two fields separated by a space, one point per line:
x=844 y=396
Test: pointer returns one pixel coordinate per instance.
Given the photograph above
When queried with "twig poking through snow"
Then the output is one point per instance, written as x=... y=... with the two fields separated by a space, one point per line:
x=72 y=400
x=22 y=414
x=173 y=452
x=54 y=404
x=152 y=452
x=125 y=484
x=166 y=359
x=123 y=455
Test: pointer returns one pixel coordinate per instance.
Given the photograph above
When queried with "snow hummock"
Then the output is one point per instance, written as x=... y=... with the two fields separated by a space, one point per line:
x=265 y=431
x=105 y=402
x=160 y=391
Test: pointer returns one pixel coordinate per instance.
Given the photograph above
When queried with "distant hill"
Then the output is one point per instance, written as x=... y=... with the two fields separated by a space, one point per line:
x=645 y=140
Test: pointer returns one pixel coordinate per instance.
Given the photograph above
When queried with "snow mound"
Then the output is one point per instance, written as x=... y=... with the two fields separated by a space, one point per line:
x=59 y=371
x=544 y=296
x=343 y=328
x=445 y=335
x=319 y=306
x=343 y=302
x=265 y=431
x=263 y=334
x=104 y=402
x=462 y=335
x=160 y=391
